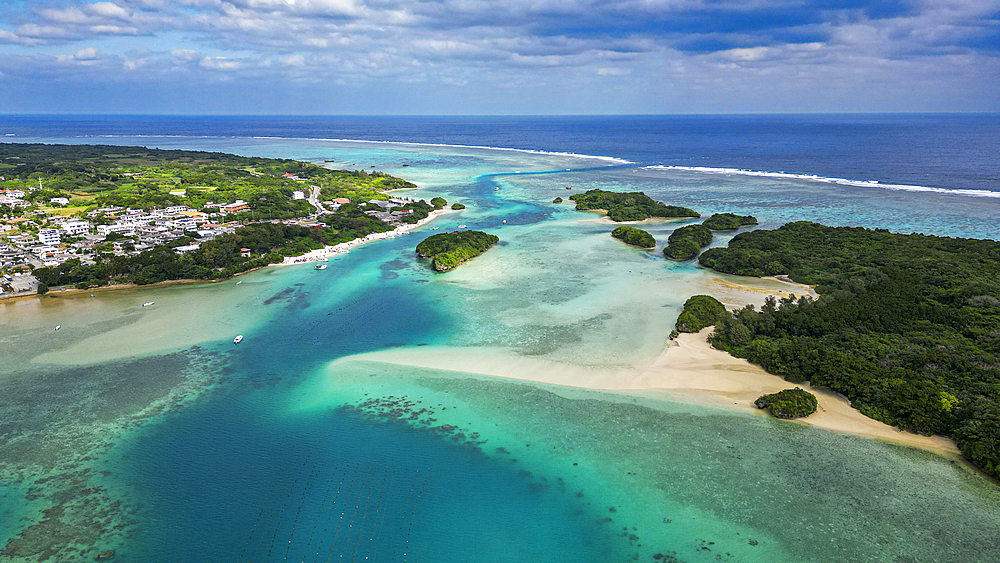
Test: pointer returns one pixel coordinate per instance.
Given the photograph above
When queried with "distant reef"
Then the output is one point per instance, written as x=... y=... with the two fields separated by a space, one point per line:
x=448 y=250
x=634 y=237
x=628 y=206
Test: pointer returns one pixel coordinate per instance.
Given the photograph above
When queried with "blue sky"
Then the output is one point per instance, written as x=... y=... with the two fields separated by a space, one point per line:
x=498 y=56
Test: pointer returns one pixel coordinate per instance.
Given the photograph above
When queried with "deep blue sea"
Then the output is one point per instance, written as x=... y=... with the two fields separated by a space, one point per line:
x=946 y=151
x=372 y=412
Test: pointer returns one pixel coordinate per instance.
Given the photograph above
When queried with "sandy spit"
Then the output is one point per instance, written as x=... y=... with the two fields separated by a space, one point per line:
x=688 y=370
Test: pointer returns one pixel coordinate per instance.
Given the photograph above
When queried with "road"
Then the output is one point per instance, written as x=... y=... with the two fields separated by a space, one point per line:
x=314 y=200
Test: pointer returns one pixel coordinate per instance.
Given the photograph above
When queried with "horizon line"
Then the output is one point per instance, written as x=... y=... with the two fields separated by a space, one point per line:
x=500 y=115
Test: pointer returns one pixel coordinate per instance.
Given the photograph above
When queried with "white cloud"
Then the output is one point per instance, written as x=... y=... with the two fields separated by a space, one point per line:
x=293 y=60
x=522 y=42
x=88 y=54
x=185 y=54
x=220 y=63
x=611 y=71
x=109 y=10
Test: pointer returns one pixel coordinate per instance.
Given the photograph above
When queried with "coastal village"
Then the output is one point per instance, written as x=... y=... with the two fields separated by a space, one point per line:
x=46 y=232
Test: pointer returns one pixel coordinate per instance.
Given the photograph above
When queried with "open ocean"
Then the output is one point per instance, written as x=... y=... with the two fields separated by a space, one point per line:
x=324 y=436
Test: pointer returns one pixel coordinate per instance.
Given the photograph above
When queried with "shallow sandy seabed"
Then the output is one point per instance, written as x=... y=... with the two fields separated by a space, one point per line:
x=689 y=370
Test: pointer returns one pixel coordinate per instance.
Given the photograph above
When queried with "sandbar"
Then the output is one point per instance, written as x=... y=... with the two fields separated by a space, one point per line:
x=688 y=370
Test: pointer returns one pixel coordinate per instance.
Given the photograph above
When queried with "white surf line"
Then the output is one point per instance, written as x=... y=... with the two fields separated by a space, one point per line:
x=826 y=180
x=610 y=159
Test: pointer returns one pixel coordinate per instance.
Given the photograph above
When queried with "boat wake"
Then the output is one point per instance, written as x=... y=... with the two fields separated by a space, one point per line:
x=826 y=180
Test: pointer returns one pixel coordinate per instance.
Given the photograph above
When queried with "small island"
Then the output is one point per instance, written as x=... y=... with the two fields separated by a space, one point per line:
x=686 y=242
x=634 y=237
x=448 y=250
x=438 y=202
x=788 y=403
x=907 y=326
x=557 y=200
x=629 y=206
x=700 y=311
x=729 y=221
x=456 y=206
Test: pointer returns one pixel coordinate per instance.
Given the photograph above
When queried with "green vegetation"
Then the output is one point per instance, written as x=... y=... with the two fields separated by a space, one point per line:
x=686 y=242
x=699 y=312
x=457 y=206
x=42 y=288
x=557 y=200
x=438 y=202
x=729 y=221
x=448 y=250
x=631 y=206
x=907 y=326
x=788 y=403
x=418 y=210
x=635 y=237
x=219 y=258
x=359 y=185
x=100 y=176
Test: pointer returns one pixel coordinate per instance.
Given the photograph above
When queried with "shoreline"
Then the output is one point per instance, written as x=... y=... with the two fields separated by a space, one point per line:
x=55 y=292
x=689 y=370
x=325 y=253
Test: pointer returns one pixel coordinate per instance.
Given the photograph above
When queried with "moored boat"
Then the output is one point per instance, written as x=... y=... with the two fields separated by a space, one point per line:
x=238 y=339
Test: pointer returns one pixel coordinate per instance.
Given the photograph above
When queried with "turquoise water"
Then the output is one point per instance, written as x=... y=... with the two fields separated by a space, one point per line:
x=150 y=433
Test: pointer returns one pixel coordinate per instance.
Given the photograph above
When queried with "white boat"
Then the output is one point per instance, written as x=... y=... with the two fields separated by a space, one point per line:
x=238 y=339
x=504 y=222
x=435 y=228
x=461 y=226
x=148 y=303
x=239 y=282
x=320 y=267
x=58 y=327
x=495 y=189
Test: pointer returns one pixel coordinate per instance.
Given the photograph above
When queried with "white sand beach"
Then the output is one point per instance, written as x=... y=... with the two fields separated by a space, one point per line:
x=322 y=254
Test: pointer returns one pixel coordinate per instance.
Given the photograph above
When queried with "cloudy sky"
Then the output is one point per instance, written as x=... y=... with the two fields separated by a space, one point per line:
x=498 y=56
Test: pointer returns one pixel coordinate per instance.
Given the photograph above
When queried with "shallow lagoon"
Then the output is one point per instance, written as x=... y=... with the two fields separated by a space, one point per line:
x=273 y=449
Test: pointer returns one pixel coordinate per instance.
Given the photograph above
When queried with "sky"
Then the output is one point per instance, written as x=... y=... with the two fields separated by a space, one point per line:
x=484 y=57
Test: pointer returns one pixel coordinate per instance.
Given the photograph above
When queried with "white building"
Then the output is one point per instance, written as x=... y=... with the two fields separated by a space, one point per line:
x=59 y=200
x=298 y=194
x=48 y=236
x=119 y=228
x=76 y=228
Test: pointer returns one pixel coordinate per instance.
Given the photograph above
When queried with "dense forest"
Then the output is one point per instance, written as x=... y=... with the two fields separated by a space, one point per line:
x=634 y=237
x=686 y=242
x=907 y=326
x=729 y=221
x=219 y=258
x=630 y=206
x=448 y=250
